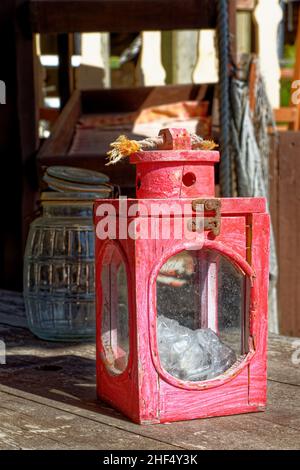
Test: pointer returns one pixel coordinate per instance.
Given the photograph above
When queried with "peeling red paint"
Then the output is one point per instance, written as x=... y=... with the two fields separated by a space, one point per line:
x=145 y=392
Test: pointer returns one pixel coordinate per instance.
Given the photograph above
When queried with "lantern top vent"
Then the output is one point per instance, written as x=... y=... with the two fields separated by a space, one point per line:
x=177 y=169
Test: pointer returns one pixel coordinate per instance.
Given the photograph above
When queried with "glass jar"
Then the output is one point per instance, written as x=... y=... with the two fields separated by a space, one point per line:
x=59 y=282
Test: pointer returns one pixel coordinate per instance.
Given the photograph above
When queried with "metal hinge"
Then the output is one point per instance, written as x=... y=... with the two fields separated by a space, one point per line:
x=211 y=223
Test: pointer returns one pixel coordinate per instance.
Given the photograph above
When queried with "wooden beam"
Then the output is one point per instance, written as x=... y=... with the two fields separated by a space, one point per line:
x=18 y=141
x=65 y=71
x=62 y=16
x=289 y=115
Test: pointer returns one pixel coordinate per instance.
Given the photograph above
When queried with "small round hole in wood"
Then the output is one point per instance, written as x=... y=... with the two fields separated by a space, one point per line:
x=189 y=179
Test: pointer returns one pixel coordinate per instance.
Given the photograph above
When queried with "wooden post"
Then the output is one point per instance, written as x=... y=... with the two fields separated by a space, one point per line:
x=184 y=55
x=65 y=71
x=94 y=70
x=286 y=193
x=244 y=28
x=297 y=64
x=268 y=15
x=18 y=141
x=151 y=70
x=206 y=69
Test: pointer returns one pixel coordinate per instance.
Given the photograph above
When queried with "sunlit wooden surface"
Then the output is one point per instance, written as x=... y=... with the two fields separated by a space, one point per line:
x=48 y=400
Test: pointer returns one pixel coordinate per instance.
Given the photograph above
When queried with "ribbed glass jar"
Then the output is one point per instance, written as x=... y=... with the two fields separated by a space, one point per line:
x=59 y=282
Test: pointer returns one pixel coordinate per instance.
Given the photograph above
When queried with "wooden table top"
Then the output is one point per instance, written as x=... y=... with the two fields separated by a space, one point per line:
x=48 y=401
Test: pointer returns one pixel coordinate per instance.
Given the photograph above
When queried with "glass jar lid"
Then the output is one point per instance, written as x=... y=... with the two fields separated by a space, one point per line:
x=65 y=179
x=69 y=197
x=76 y=175
x=62 y=186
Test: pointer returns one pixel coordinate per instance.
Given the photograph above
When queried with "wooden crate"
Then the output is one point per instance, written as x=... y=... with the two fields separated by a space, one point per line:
x=67 y=147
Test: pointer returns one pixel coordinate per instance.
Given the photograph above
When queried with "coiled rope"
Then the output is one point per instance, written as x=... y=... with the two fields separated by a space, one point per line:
x=224 y=100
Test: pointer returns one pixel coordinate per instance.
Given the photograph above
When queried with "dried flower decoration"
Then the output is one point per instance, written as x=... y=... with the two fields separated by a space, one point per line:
x=124 y=147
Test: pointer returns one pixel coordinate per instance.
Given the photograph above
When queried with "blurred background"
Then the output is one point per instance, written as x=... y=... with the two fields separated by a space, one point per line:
x=77 y=74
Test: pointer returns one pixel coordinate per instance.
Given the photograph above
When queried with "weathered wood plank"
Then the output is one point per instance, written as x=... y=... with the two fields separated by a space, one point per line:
x=273 y=187
x=12 y=310
x=62 y=377
x=47 y=386
x=280 y=364
x=289 y=233
x=216 y=433
x=284 y=405
x=28 y=425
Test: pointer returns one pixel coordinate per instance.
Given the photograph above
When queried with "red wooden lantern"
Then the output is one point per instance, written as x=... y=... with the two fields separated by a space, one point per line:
x=181 y=322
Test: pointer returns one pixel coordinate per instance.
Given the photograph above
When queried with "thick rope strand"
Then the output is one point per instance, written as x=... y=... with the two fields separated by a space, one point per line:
x=224 y=101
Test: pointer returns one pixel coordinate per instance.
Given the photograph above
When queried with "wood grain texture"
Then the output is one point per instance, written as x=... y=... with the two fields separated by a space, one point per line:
x=12 y=309
x=162 y=179
x=38 y=404
x=288 y=237
x=296 y=72
x=50 y=428
x=273 y=186
x=229 y=206
x=260 y=252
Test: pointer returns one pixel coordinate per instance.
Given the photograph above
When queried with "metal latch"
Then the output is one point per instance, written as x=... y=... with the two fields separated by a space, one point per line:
x=211 y=223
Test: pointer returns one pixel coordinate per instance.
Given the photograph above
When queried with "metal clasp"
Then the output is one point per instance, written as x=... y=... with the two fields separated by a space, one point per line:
x=211 y=223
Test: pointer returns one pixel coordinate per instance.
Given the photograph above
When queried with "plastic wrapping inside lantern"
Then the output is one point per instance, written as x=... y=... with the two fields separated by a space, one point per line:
x=201 y=297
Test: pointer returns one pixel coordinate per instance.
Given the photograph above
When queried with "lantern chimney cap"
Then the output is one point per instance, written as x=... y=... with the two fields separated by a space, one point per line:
x=175 y=139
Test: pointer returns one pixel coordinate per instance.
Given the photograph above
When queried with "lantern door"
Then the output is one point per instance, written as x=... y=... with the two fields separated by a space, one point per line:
x=200 y=304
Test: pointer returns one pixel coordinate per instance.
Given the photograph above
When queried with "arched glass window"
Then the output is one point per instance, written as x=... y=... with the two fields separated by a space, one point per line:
x=201 y=299
x=115 y=311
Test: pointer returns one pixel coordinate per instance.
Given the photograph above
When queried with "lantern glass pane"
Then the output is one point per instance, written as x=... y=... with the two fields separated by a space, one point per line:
x=200 y=300
x=115 y=312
